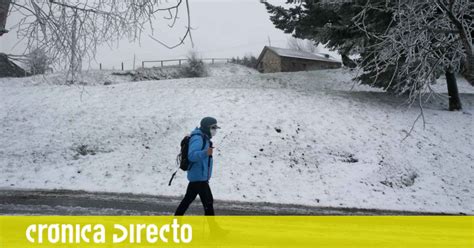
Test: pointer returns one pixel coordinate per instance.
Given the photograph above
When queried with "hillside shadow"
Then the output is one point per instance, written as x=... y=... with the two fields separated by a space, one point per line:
x=435 y=101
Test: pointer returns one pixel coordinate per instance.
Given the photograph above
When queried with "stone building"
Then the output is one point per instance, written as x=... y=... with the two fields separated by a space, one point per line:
x=274 y=59
x=10 y=69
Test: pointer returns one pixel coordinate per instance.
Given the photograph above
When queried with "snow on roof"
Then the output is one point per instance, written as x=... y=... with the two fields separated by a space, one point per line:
x=283 y=52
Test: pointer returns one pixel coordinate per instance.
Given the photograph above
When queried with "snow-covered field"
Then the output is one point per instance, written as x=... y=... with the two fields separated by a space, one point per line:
x=302 y=138
x=109 y=77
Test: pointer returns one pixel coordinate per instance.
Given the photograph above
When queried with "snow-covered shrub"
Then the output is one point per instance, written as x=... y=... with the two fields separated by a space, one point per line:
x=397 y=177
x=38 y=61
x=195 y=67
x=155 y=73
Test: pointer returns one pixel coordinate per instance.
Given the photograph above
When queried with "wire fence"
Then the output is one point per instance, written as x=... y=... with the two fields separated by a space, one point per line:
x=179 y=62
x=171 y=62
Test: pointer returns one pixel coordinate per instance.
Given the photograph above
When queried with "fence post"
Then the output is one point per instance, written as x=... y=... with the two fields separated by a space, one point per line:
x=213 y=61
x=100 y=66
x=143 y=64
x=179 y=62
x=122 y=66
x=133 y=61
x=162 y=63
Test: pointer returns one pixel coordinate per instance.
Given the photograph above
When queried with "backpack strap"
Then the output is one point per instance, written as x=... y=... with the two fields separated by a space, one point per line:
x=172 y=177
x=203 y=145
x=203 y=142
x=203 y=139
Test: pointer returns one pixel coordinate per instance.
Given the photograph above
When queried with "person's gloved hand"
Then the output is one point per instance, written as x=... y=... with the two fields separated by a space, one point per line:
x=209 y=151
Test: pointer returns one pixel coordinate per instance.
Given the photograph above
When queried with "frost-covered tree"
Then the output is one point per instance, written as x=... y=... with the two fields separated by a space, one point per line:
x=403 y=45
x=4 y=6
x=302 y=45
x=425 y=39
x=70 y=30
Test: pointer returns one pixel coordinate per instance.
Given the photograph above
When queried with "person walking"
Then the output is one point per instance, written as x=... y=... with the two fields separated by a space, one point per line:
x=200 y=170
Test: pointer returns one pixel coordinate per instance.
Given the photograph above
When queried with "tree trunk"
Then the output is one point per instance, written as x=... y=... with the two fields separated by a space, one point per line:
x=454 y=100
x=75 y=63
x=4 y=7
x=348 y=62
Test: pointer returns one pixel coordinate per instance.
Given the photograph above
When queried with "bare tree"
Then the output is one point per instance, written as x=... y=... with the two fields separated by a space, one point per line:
x=302 y=45
x=71 y=30
x=425 y=39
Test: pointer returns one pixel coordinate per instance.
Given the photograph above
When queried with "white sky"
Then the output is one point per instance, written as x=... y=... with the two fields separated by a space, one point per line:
x=222 y=28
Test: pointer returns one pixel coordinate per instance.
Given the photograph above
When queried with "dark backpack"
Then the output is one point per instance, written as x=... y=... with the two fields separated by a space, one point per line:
x=182 y=158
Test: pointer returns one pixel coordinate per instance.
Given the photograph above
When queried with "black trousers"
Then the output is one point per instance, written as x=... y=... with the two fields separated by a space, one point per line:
x=204 y=191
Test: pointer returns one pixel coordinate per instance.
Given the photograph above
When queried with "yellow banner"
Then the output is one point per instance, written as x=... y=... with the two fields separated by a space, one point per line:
x=238 y=231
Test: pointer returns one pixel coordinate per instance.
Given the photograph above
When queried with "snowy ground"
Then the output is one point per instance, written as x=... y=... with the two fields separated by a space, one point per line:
x=110 y=77
x=302 y=138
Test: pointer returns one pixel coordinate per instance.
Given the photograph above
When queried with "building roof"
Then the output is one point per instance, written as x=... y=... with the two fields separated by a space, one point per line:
x=283 y=52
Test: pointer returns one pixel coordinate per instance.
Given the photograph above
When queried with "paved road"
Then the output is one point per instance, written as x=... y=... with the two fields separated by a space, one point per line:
x=67 y=202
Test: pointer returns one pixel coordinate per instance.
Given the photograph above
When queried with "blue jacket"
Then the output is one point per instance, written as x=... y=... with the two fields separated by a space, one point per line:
x=201 y=167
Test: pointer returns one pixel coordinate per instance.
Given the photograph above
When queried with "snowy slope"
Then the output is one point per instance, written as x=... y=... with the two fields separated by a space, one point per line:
x=109 y=77
x=300 y=138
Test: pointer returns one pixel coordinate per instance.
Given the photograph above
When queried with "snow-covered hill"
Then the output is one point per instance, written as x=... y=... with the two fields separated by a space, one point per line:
x=109 y=77
x=302 y=138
